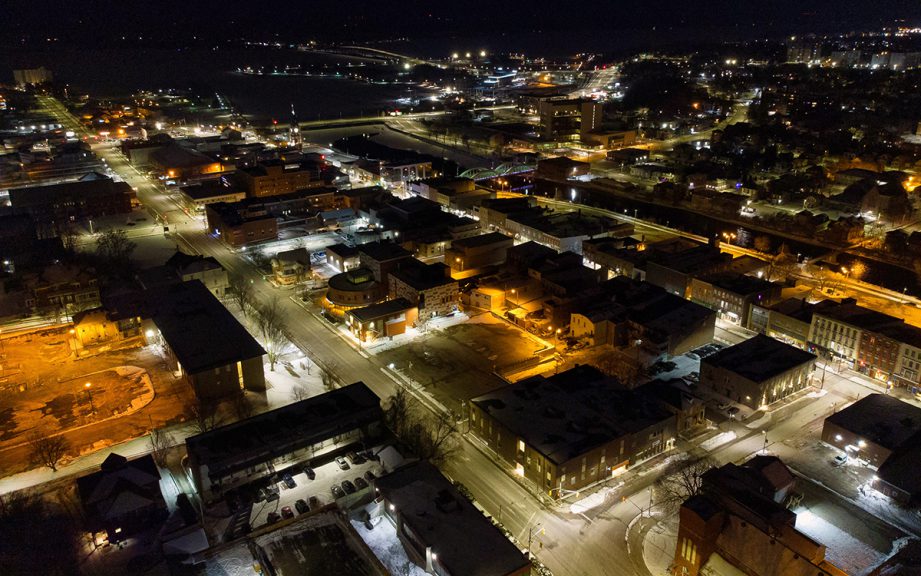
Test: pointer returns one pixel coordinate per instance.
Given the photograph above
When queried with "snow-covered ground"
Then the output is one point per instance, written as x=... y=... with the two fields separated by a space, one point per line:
x=303 y=379
x=843 y=550
x=385 y=544
x=236 y=560
x=718 y=440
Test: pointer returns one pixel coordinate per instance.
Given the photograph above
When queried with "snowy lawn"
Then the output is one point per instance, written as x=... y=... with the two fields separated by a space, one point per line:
x=385 y=544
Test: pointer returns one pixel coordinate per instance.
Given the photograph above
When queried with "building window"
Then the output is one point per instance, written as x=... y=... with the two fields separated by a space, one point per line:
x=689 y=550
x=521 y=445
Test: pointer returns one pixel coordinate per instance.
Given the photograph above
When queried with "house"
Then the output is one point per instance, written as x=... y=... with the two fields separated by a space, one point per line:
x=440 y=529
x=291 y=266
x=123 y=497
x=757 y=372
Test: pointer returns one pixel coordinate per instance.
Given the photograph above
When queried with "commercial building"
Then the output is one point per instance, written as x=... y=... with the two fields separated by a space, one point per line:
x=61 y=289
x=562 y=231
x=312 y=430
x=381 y=258
x=275 y=177
x=342 y=257
x=732 y=295
x=197 y=196
x=383 y=320
x=428 y=286
x=450 y=192
x=123 y=497
x=757 y=372
x=787 y=321
x=469 y=256
x=572 y=429
x=739 y=524
x=562 y=168
x=238 y=225
x=440 y=529
x=837 y=331
x=176 y=162
x=673 y=264
x=204 y=343
x=355 y=288
x=569 y=119
x=32 y=76
x=56 y=207
x=873 y=428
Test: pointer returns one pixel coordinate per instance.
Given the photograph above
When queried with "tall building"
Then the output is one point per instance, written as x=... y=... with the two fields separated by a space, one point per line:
x=26 y=77
x=569 y=119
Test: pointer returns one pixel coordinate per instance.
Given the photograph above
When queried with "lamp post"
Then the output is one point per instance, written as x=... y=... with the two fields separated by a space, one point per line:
x=764 y=433
x=531 y=536
x=89 y=393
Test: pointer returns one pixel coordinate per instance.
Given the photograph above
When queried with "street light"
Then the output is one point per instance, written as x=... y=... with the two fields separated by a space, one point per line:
x=531 y=535
x=764 y=433
x=89 y=392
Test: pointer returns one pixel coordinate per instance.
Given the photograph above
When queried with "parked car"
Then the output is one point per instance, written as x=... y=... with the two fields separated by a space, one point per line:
x=289 y=481
x=369 y=476
x=343 y=465
x=361 y=483
x=271 y=493
x=286 y=512
x=302 y=507
x=370 y=455
x=308 y=471
x=348 y=486
x=261 y=495
x=272 y=518
x=356 y=458
x=840 y=460
x=337 y=491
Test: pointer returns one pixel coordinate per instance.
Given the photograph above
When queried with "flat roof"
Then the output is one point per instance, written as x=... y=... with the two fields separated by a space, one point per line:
x=858 y=316
x=569 y=414
x=481 y=240
x=199 y=329
x=264 y=436
x=421 y=276
x=881 y=419
x=759 y=358
x=383 y=251
x=342 y=250
x=464 y=540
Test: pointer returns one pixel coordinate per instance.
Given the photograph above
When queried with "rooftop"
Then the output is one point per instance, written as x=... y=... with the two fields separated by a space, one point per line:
x=381 y=310
x=189 y=316
x=259 y=437
x=464 y=540
x=383 y=251
x=759 y=358
x=571 y=413
x=881 y=419
x=421 y=276
x=481 y=240
x=848 y=312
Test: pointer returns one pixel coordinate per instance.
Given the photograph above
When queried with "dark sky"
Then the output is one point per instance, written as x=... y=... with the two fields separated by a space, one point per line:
x=89 y=20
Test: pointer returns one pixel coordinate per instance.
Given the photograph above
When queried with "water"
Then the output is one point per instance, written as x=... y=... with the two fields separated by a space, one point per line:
x=123 y=72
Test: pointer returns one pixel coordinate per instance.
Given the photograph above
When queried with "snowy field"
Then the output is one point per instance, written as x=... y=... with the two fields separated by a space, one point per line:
x=843 y=550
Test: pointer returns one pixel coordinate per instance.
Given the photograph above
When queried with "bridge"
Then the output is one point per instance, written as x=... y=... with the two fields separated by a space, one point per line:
x=387 y=53
x=507 y=169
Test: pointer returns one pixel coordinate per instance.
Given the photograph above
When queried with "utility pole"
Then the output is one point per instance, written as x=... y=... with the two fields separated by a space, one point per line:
x=531 y=536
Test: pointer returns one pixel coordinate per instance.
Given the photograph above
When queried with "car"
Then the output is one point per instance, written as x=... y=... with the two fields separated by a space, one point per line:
x=289 y=481
x=261 y=495
x=733 y=410
x=337 y=491
x=343 y=465
x=308 y=471
x=840 y=460
x=693 y=356
x=286 y=512
x=314 y=502
x=361 y=483
x=271 y=493
x=348 y=486
x=369 y=476
x=370 y=455
x=356 y=458
x=302 y=506
x=272 y=518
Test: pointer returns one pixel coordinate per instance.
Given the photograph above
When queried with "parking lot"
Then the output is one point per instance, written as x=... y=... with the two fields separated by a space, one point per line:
x=255 y=503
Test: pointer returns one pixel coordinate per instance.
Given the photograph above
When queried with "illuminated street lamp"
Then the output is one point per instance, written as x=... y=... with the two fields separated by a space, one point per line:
x=89 y=392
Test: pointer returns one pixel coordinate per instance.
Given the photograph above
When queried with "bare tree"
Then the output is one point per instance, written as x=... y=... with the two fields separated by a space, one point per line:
x=271 y=323
x=432 y=437
x=161 y=442
x=242 y=406
x=763 y=244
x=203 y=415
x=114 y=248
x=857 y=270
x=241 y=292
x=47 y=450
x=299 y=392
x=328 y=376
x=681 y=480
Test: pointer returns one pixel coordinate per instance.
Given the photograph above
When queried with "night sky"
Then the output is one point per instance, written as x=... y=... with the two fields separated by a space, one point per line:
x=92 y=21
